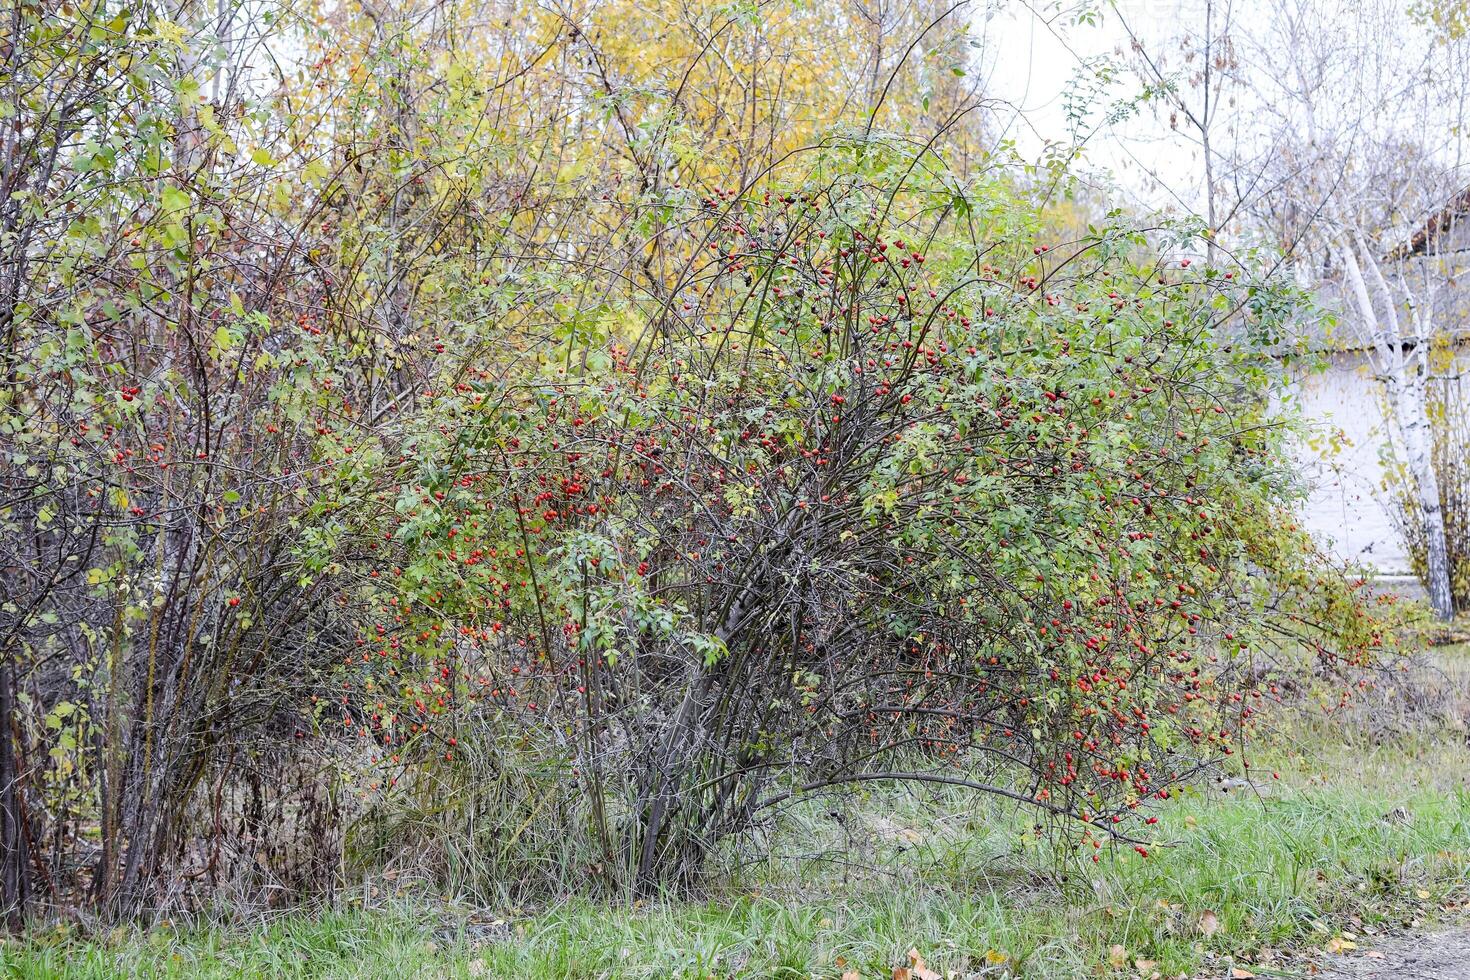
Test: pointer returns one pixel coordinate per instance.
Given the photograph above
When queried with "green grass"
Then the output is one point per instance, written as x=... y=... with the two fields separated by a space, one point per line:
x=955 y=878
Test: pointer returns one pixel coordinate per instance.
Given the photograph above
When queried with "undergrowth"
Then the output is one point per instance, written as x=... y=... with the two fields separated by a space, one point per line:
x=1341 y=834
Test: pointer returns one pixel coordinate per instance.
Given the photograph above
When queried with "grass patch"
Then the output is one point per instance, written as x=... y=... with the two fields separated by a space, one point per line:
x=1357 y=834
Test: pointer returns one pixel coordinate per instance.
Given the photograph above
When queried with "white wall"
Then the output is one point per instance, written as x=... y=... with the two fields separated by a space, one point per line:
x=1345 y=508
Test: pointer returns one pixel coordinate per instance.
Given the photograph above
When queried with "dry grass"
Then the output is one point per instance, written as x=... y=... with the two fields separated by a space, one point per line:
x=1367 y=831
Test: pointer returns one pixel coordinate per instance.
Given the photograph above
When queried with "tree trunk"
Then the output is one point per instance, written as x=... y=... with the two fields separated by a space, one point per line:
x=1414 y=427
x=14 y=852
x=1403 y=366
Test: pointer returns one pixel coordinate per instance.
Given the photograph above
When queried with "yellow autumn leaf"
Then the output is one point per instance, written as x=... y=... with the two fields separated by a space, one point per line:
x=167 y=30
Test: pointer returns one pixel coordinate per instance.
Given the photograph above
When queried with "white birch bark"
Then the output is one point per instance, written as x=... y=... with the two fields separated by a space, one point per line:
x=1403 y=369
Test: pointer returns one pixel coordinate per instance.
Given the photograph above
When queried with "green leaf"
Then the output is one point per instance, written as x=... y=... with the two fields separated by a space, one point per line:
x=174 y=199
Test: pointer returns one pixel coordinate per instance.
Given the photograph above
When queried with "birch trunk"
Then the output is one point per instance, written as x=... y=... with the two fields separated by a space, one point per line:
x=1404 y=374
x=1410 y=409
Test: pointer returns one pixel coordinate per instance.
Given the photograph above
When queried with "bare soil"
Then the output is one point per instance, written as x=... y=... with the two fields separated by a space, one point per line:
x=1440 y=956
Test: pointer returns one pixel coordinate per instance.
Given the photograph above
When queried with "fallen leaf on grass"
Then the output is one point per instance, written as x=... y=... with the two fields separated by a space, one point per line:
x=995 y=957
x=1209 y=923
x=916 y=970
x=1338 y=944
x=476 y=968
x=1241 y=973
x=1144 y=966
x=850 y=975
x=1117 y=957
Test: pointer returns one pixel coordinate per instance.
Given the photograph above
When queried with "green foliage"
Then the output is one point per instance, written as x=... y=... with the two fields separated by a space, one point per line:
x=843 y=498
x=500 y=443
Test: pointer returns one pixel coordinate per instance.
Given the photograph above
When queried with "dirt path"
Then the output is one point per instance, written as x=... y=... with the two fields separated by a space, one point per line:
x=1441 y=956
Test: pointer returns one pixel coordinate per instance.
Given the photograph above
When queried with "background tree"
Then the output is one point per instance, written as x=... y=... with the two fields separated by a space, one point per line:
x=1368 y=117
x=1192 y=77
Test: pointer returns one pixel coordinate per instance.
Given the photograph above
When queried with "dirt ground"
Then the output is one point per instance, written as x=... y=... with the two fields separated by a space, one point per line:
x=1439 y=956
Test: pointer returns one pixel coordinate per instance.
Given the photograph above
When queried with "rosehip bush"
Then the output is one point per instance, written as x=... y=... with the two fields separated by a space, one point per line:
x=400 y=459
x=877 y=489
x=172 y=630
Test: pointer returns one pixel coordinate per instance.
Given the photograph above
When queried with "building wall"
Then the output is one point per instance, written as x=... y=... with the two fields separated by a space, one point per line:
x=1345 y=507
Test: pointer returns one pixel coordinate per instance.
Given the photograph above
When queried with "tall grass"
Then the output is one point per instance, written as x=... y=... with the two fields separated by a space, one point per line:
x=1354 y=836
